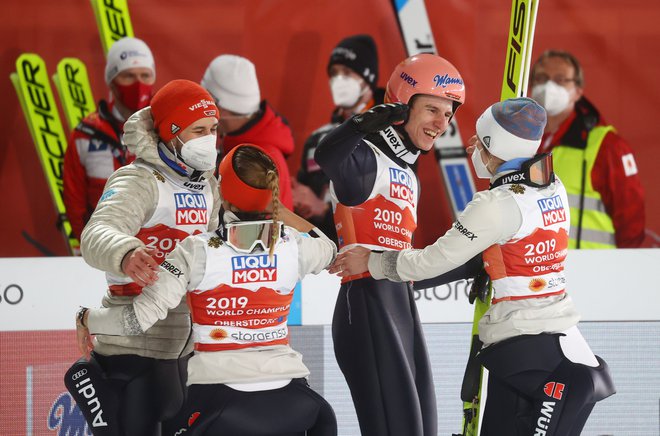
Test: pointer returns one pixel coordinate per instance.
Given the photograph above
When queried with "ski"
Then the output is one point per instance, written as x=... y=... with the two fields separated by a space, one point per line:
x=38 y=103
x=113 y=20
x=449 y=149
x=75 y=92
x=514 y=84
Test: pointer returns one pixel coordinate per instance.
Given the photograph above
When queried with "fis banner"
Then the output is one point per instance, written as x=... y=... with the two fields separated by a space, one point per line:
x=38 y=103
x=113 y=20
x=72 y=84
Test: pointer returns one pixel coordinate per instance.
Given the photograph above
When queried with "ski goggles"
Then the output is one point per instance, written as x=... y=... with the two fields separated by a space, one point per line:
x=536 y=172
x=539 y=170
x=246 y=236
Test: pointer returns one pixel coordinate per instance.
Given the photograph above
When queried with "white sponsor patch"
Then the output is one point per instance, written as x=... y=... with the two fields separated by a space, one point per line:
x=629 y=165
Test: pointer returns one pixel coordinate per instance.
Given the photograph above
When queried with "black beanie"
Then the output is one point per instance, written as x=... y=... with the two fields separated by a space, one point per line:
x=358 y=53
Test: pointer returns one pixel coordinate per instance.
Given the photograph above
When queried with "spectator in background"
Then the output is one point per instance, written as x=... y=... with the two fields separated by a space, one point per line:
x=245 y=118
x=95 y=149
x=353 y=73
x=596 y=165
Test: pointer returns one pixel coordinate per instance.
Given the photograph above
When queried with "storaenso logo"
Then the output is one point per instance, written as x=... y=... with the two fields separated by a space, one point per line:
x=444 y=292
x=86 y=389
x=515 y=44
x=13 y=294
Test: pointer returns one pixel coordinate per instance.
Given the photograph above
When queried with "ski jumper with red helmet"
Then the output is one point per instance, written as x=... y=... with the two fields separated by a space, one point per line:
x=378 y=337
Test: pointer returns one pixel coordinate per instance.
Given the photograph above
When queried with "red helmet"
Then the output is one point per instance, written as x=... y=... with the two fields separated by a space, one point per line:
x=425 y=74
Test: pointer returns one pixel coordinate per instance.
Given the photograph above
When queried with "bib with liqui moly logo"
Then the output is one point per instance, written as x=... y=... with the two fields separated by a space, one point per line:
x=531 y=264
x=243 y=300
x=388 y=218
x=183 y=209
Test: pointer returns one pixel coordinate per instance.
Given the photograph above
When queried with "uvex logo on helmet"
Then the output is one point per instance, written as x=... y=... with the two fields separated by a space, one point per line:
x=412 y=82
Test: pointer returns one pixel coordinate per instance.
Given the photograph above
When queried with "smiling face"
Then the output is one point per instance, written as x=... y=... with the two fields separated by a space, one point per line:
x=429 y=118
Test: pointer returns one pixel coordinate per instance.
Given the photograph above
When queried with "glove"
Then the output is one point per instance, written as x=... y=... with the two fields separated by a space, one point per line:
x=381 y=117
x=480 y=287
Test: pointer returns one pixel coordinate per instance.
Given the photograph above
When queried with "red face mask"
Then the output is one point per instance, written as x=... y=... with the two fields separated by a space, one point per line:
x=134 y=96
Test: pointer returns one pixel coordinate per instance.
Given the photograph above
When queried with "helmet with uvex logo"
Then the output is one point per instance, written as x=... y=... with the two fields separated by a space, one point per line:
x=425 y=74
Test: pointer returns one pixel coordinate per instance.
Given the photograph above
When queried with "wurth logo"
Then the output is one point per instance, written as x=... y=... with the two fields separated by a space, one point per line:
x=543 y=422
x=190 y=208
x=554 y=390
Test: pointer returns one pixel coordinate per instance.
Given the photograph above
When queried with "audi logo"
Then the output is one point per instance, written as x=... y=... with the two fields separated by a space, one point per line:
x=79 y=374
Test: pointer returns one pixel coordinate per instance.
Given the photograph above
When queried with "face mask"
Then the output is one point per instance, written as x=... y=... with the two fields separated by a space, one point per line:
x=346 y=91
x=479 y=166
x=200 y=153
x=135 y=96
x=553 y=97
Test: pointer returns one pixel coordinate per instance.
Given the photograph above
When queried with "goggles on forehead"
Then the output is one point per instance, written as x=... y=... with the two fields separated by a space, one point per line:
x=246 y=236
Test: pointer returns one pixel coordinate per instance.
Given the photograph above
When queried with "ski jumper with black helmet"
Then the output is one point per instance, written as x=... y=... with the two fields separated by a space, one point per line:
x=239 y=300
x=153 y=203
x=378 y=338
x=543 y=377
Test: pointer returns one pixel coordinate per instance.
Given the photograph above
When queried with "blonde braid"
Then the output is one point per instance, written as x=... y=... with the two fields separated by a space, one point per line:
x=273 y=183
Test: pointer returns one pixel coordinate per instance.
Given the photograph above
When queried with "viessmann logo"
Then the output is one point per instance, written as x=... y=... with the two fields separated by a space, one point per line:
x=253 y=269
x=190 y=208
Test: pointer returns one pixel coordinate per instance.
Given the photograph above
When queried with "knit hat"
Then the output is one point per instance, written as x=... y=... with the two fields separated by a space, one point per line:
x=512 y=128
x=128 y=53
x=232 y=81
x=179 y=104
x=358 y=53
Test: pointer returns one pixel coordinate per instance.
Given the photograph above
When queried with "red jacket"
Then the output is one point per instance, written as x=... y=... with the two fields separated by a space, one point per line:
x=94 y=153
x=614 y=174
x=272 y=133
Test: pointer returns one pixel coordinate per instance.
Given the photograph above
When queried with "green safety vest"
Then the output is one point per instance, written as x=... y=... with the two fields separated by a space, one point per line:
x=591 y=226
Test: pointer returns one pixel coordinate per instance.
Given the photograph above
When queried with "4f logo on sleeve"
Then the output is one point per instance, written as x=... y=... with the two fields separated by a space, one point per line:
x=401 y=186
x=190 y=208
x=552 y=210
x=253 y=269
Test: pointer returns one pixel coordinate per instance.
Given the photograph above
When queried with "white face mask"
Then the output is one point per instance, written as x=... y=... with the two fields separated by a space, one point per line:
x=346 y=91
x=553 y=97
x=479 y=166
x=200 y=153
